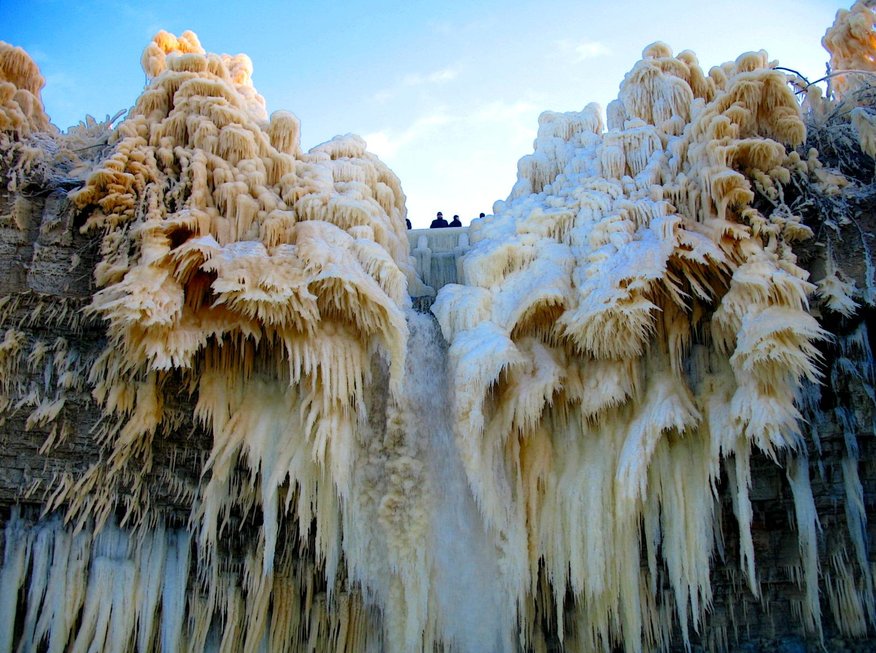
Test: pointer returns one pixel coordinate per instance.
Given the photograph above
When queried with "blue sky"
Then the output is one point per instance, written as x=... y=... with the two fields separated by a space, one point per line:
x=447 y=93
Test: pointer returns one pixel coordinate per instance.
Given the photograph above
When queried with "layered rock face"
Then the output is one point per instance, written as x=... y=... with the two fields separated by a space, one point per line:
x=642 y=418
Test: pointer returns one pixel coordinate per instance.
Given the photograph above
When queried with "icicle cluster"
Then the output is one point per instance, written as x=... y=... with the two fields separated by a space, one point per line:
x=264 y=280
x=632 y=321
x=32 y=150
x=117 y=591
x=21 y=108
x=851 y=41
x=27 y=139
x=849 y=573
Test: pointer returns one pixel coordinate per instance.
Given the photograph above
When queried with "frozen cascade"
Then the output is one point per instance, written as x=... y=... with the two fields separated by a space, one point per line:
x=438 y=256
x=473 y=611
x=628 y=347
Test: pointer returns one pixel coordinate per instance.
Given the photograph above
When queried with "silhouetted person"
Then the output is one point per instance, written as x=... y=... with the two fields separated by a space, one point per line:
x=408 y=222
x=439 y=222
x=455 y=222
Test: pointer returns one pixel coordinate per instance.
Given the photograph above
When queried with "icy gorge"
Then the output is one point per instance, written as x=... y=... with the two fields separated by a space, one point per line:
x=244 y=409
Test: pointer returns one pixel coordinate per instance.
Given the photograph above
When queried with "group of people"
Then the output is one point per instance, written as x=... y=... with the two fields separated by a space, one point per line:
x=440 y=223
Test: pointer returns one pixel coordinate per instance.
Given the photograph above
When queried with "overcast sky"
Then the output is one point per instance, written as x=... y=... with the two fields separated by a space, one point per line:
x=446 y=92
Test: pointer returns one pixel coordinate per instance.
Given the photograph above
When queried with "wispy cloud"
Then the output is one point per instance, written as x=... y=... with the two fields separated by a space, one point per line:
x=387 y=142
x=503 y=111
x=441 y=76
x=513 y=118
x=437 y=77
x=582 y=50
x=41 y=57
x=382 y=96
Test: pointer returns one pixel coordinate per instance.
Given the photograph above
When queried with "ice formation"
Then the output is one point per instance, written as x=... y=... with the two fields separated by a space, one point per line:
x=21 y=108
x=851 y=41
x=264 y=280
x=632 y=329
x=632 y=322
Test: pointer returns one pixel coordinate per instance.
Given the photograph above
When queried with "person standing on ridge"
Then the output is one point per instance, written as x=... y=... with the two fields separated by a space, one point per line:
x=439 y=222
x=455 y=222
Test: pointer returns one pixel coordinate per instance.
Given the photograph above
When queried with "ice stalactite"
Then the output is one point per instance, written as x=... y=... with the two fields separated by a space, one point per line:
x=850 y=587
x=851 y=41
x=116 y=591
x=32 y=150
x=418 y=549
x=25 y=130
x=264 y=280
x=21 y=108
x=632 y=318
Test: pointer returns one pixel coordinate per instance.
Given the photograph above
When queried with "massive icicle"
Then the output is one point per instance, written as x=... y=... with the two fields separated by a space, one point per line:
x=264 y=280
x=633 y=318
x=21 y=109
x=851 y=41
